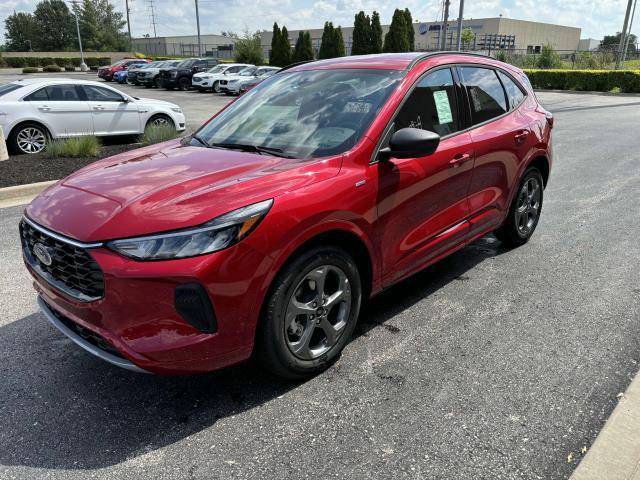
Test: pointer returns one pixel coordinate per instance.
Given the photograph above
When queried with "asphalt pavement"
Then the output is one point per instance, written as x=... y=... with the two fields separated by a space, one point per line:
x=491 y=364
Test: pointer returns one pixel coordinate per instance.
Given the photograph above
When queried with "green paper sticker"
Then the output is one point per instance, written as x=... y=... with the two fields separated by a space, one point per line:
x=442 y=106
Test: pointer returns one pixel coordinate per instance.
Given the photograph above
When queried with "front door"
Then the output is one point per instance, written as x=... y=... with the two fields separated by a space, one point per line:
x=112 y=115
x=62 y=110
x=422 y=202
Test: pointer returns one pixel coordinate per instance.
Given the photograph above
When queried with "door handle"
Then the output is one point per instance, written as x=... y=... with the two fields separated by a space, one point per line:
x=44 y=108
x=459 y=159
x=98 y=107
x=521 y=136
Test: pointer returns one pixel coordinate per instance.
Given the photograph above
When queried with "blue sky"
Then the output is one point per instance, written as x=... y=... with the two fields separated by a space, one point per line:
x=177 y=17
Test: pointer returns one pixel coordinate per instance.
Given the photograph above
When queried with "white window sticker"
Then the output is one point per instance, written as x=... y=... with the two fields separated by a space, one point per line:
x=442 y=106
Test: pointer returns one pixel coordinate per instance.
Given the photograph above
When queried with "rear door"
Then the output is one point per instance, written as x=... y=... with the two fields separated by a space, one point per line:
x=500 y=137
x=62 y=109
x=422 y=202
x=112 y=114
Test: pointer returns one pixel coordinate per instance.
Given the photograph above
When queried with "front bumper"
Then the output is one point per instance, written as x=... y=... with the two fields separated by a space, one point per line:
x=168 y=82
x=141 y=320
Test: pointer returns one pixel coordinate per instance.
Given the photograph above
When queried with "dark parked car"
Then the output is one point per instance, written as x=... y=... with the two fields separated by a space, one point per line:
x=263 y=233
x=180 y=76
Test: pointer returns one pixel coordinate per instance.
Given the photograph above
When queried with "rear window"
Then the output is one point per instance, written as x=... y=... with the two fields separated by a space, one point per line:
x=9 y=87
x=485 y=93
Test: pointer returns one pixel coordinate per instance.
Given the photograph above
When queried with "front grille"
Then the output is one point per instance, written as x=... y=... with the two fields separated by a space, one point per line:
x=90 y=336
x=72 y=270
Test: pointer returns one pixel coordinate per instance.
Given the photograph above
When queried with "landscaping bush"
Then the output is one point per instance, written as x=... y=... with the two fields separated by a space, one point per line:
x=69 y=68
x=627 y=81
x=77 y=147
x=157 y=134
x=30 y=70
x=51 y=68
x=20 y=62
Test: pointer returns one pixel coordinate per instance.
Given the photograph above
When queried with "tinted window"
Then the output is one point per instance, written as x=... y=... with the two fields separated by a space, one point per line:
x=485 y=93
x=100 y=94
x=432 y=105
x=38 y=96
x=9 y=87
x=234 y=69
x=514 y=92
x=186 y=63
x=62 y=93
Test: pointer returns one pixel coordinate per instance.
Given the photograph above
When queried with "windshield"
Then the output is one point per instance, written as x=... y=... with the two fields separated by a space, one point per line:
x=186 y=63
x=9 y=87
x=247 y=72
x=304 y=114
x=217 y=69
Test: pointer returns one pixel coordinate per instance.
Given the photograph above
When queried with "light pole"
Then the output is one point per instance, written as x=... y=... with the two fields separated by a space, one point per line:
x=83 y=66
x=623 y=36
x=198 y=23
x=460 y=25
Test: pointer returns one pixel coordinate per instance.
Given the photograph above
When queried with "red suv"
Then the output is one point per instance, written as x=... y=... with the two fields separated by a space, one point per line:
x=265 y=231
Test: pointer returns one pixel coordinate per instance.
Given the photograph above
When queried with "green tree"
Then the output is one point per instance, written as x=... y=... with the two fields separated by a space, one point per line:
x=327 y=44
x=549 y=58
x=275 y=43
x=55 y=26
x=249 y=49
x=396 y=39
x=285 y=48
x=338 y=42
x=376 y=33
x=411 y=34
x=467 y=37
x=102 y=27
x=303 y=50
x=19 y=29
x=612 y=42
x=361 y=34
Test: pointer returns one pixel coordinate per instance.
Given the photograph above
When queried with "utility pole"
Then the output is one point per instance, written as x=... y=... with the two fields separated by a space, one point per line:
x=83 y=66
x=153 y=18
x=460 y=13
x=623 y=36
x=198 y=23
x=444 y=25
x=126 y=2
x=626 y=43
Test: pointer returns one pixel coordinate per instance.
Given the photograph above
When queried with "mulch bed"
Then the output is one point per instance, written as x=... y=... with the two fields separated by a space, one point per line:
x=23 y=169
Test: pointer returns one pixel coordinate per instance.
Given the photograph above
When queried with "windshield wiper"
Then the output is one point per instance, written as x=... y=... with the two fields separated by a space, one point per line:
x=247 y=147
x=200 y=141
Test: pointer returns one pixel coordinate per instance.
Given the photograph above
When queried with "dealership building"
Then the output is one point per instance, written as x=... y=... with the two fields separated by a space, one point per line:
x=490 y=34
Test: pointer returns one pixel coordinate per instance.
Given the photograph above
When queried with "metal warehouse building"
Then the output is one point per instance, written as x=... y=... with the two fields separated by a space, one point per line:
x=490 y=34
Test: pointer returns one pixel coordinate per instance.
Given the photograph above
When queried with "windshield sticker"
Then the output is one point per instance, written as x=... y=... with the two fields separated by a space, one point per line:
x=442 y=106
x=357 y=107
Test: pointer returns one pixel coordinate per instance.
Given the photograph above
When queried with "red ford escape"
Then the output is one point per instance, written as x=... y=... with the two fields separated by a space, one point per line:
x=265 y=231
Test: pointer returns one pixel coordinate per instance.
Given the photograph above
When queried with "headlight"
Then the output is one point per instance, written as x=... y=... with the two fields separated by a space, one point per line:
x=176 y=109
x=218 y=234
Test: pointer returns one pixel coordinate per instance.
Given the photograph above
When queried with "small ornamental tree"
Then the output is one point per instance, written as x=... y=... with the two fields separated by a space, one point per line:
x=396 y=39
x=376 y=34
x=411 y=34
x=327 y=42
x=338 y=43
x=467 y=38
x=303 y=50
x=285 y=48
x=361 y=34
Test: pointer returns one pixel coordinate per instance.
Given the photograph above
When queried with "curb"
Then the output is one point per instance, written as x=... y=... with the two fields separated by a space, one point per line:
x=21 y=194
x=615 y=454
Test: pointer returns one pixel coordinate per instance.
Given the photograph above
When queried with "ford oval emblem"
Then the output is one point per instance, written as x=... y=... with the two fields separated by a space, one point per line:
x=42 y=253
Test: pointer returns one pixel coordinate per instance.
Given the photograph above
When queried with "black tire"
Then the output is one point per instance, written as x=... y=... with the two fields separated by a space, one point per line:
x=272 y=349
x=215 y=88
x=184 y=84
x=160 y=118
x=512 y=233
x=12 y=141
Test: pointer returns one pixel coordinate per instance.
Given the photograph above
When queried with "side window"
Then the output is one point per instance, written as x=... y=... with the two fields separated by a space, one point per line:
x=234 y=69
x=514 y=92
x=63 y=93
x=100 y=94
x=211 y=63
x=37 y=96
x=485 y=93
x=432 y=105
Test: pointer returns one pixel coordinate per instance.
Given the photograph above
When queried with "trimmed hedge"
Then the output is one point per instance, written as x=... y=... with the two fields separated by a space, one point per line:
x=20 y=62
x=627 y=81
x=30 y=70
x=51 y=68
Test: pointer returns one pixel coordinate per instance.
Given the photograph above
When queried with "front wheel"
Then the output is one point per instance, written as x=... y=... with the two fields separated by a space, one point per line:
x=310 y=313
x=160 y=120
x=216 y=87
x=525 y=210
x=184 y=84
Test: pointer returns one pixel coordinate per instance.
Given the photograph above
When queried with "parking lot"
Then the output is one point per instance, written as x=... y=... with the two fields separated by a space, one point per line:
x=198 y=107
x=492 y=363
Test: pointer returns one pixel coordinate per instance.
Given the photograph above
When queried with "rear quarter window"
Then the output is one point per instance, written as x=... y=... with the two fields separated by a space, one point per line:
x=515 y=92
x=8 y=87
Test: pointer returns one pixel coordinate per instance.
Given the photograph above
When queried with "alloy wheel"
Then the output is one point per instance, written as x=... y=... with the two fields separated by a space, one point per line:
x=31 y=140
x=159 y=122
x=528 y=206
x=317 y=312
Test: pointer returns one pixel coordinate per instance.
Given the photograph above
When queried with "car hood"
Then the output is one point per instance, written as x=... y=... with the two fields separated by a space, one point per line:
x=155 y=102
x=167 y=186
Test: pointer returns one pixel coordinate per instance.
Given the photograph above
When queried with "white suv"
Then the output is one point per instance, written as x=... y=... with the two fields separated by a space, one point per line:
x=34 y=110
x=210 y=80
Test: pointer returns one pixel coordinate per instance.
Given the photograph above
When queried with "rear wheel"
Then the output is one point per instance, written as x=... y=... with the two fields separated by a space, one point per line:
x=525 y=210
x=28 y=138
x=311 y=313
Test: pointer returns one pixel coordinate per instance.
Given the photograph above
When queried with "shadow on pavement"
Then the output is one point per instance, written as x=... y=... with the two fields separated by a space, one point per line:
x=63 y=409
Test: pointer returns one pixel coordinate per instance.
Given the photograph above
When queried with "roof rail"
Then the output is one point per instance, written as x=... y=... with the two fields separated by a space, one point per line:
x=427 y=55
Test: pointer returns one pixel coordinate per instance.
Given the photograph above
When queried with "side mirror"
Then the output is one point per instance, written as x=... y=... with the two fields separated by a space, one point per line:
x=410 y=143
x=126 y=99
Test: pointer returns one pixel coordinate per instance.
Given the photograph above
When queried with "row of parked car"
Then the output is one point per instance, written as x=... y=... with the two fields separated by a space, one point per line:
x=203 y=74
